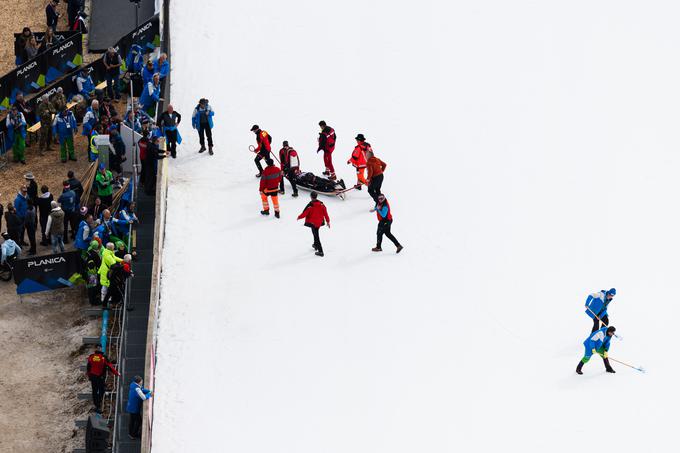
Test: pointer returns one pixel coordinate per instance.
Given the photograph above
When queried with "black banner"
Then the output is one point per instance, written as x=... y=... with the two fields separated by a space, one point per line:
x=45 y=273
x=39 y=36
x=147 y=36
x=34 y=75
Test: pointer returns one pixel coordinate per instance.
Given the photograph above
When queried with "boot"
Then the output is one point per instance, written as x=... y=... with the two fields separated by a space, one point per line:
x=357 y=187
x=258 y=175
x=282 y=192
x=210 y=151
x=277 y=215
x=295 y=194
x=400 y=248
x=265 y=212
x=202 y=149
x=579 y=367
x=332 y=177
x=377 y=249
x=608 y=367
x=319 y=253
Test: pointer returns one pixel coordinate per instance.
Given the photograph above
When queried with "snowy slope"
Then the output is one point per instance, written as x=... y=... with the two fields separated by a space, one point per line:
x=532 y=159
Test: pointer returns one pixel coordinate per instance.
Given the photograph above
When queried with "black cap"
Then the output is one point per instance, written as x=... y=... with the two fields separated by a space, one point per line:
x=611 y=329
x=360 y=137
x=322 y=123
x=285 y=143
x=254 y=128
x=313 y=195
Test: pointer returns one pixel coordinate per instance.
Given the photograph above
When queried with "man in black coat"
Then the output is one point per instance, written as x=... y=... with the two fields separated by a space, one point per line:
x=75 y=185
x=52 y=14
x=168 y=123
x=14 y=223
x=44 y=205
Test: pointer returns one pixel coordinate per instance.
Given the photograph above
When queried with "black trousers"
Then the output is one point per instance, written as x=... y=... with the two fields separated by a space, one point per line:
x=315 y=233
x=70 y=219
x=596 y=323
x=98 y=390
x=171 y=136
x=43 y=226
x=290 y=174
x=135 y=427
x=31 y=239
x=384 y=227
x=261 y=155
x=204 y=129
x=94 y=295
x=374 y=187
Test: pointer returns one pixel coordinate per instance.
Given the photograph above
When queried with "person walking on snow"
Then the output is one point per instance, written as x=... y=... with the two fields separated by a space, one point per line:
x=358 y=159
x=315 y=214
x=596 y=307
x=264 y=147
x=168 y=123
x=269 y=187
x=202 y=121
x=384 y=213
x=290 y=164
x=598 y=343
x=327 y=145
x=376 y=168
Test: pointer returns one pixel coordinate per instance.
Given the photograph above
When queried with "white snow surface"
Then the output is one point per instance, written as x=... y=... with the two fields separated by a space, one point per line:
x=532 y=152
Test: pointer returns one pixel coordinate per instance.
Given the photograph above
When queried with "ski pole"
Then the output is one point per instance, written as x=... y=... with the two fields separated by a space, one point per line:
x=640 y=369
x=252 y=150
x=598 y=318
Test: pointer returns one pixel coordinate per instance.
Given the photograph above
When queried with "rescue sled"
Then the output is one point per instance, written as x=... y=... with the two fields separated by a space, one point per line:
x=311 y=182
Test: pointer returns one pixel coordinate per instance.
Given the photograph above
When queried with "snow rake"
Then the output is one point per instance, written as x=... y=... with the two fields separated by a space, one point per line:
x=640 y=369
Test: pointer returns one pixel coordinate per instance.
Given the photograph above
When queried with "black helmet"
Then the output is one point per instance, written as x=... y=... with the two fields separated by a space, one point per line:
x=322 y=123
x=255 y=128
x=285 y=143
x=611 y=330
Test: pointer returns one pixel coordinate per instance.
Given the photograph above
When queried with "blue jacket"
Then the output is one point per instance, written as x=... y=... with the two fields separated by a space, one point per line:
x=598 y=339
x=67 y=200
x=21 y=122
x=85 y=85
x=83 y=244
x=134 y=404
x=64 y=125
x=147 y=75
x=21 y=205
x=89 y=121
x=163 y=70
x=150 y=95
x=135 y=59
x=597 y=303
x=198 y=112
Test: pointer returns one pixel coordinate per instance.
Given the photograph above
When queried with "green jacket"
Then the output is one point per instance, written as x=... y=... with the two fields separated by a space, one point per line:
x=108 y=260
x=103 y=182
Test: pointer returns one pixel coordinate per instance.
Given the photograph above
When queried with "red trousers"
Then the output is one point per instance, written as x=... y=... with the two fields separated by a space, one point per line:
x=328 y=161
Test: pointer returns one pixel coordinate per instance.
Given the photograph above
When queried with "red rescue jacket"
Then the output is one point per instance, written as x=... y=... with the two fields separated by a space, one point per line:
x=97 y=364
x=264 y=142
x=358 y=158
x=270 y=179
x=327 y=140
x=289 y=158
x=315 y=213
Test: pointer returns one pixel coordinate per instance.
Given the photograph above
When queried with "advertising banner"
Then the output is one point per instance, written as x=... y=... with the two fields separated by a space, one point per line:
x=64 y=58
x=45 y=273
x=39 y=36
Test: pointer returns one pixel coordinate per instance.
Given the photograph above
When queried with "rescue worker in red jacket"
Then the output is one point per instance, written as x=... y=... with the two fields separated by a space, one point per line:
x=327 y=145
x=264 y=147
x=97 y=366
x=358 y=159
x=376 y=168
x=384 y=213
x=269 y=187
x=290 y=164
x=315 y=215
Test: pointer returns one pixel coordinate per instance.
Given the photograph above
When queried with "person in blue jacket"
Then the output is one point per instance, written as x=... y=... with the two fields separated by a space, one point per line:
x=596 y=307
x=64 y=126
x=148 y=72
x=162 y=66
x=91 y=118
x=21 y=206
x=598 y=343
x=202 y=121
x=151 y=95
x=136 y=397
x=135 y=59
x=85 y=233
x=85 y=85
